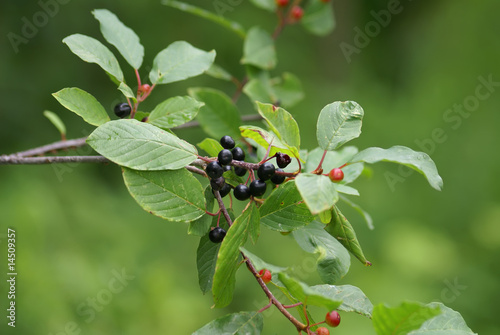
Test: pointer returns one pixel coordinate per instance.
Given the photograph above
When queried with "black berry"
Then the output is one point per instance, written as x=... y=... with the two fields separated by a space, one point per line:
x=266 y=171
x=122 y=110
x=225 y=190
x=218 y=183
x=257 y=188
x=241 y=192
x=238 y=154
x=227 y=142
x=225 y=157
x=217 y=234
x=214 y=170
x=277 y=178
x=239 y=171
x=283 y=160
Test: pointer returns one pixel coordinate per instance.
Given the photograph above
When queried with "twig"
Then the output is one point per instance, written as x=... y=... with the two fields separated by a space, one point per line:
x=60 y=145
x=15 y=160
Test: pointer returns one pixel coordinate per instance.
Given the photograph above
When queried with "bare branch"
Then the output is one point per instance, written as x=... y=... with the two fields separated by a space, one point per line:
x=16 y=160
x=60 y=145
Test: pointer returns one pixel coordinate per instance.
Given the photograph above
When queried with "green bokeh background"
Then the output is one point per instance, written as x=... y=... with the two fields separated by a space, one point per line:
x=76 y=224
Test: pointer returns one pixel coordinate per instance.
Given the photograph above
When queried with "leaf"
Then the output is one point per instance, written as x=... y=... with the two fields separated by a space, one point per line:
x=83 y=104
x=199 y=227
x=353 y=299
x=448 y=322
x=56 y=121
x=244 y=323
x=363 y=214
x=179 y=61
x=172 y=195
x=318 y=192
x=308 y=295
x=127 y=91
x=341 y=188
x=338 y=123
x=343 y=231
x=288 y=90
x=281 y=123
x=259 y=264
x=318 y=18
x=269 y=5
x=260 y=89
x=206 y=257
x=418 y=161
x=218 y=72
x=264 y=138
x=92 y=51
x=233 y=26
x=227 y=261
x=174 y=111
x=210 y=146
x=333 y=258
x=259 y=49
x=402 y=319
x=284 y=210
x=335 y=159
x=121 y=36
x=141 y=146
x=219 y=116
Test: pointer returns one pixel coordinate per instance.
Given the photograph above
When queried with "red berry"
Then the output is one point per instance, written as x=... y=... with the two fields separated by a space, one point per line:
x=332 y=318
x=145 y=88
x=266 y=275
x=322 y=331
x=297 y=12
x=282 y=3
x=336 y=175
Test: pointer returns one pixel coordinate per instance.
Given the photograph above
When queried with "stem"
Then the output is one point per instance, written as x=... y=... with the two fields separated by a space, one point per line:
x=319 y=169
x=13 y=160
x=239 y=89
x=292 y=306
x=265 y=307
x=60 y=145
x=138 y=78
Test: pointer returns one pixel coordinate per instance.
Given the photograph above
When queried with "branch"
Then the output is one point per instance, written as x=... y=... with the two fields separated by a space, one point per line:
x=15 y=160
x=60 y=145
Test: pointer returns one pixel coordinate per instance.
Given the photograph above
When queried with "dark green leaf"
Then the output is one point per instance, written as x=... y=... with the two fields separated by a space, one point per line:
x=229 y=254
x=402 y=319
x=318 y=18
x=284 y=210
x=318 y=191
x=353 y=299
x=179 y=61
x=141 y=146
x=172 y=195
x=448 y=322
x=333 y=259
x=338 y=123
x=56 y=121
x=83 y=104
x=243 y=323
x=219 y=116
x=259 y=49
x=418 y=161
x=281 y=123
x=121 y=36
x=200 y=226
x=174 y=111
x=206 y=258
x=92 y=51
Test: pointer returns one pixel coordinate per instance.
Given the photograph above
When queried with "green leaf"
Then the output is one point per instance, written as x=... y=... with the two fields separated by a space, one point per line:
x=338 y=123
x=259 y=264
x=418 y=161
x=341 y=188
x=141 y=146
x=121 y=36
x=206 y=258
x=402 y=319
x=172 y=195
x=448 y=322
x=318 y=18
x=308 y=295
x=179 y=61
x=288 y=90
x=210 y=146
x=233 y=26
x=281 y=123
x=218 y=72
x=219 y=116
x=284 y=210
x=264 y=138
x=200 y=226
x=127 y=91
x=56 y=121
x=244 y=323
x=92 y=51
x=353 y=299
x=227 y=261
x=343 y=231
x=269 y=5
x=174 y=111
x=333 y=258
x=83 y=104
x=335 y=159
x=259 y=49
x=260 y=89
x=360 y=210
x=318 y=191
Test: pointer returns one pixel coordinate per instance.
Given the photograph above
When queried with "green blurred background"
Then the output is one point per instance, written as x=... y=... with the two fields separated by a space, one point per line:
x=77 y=226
